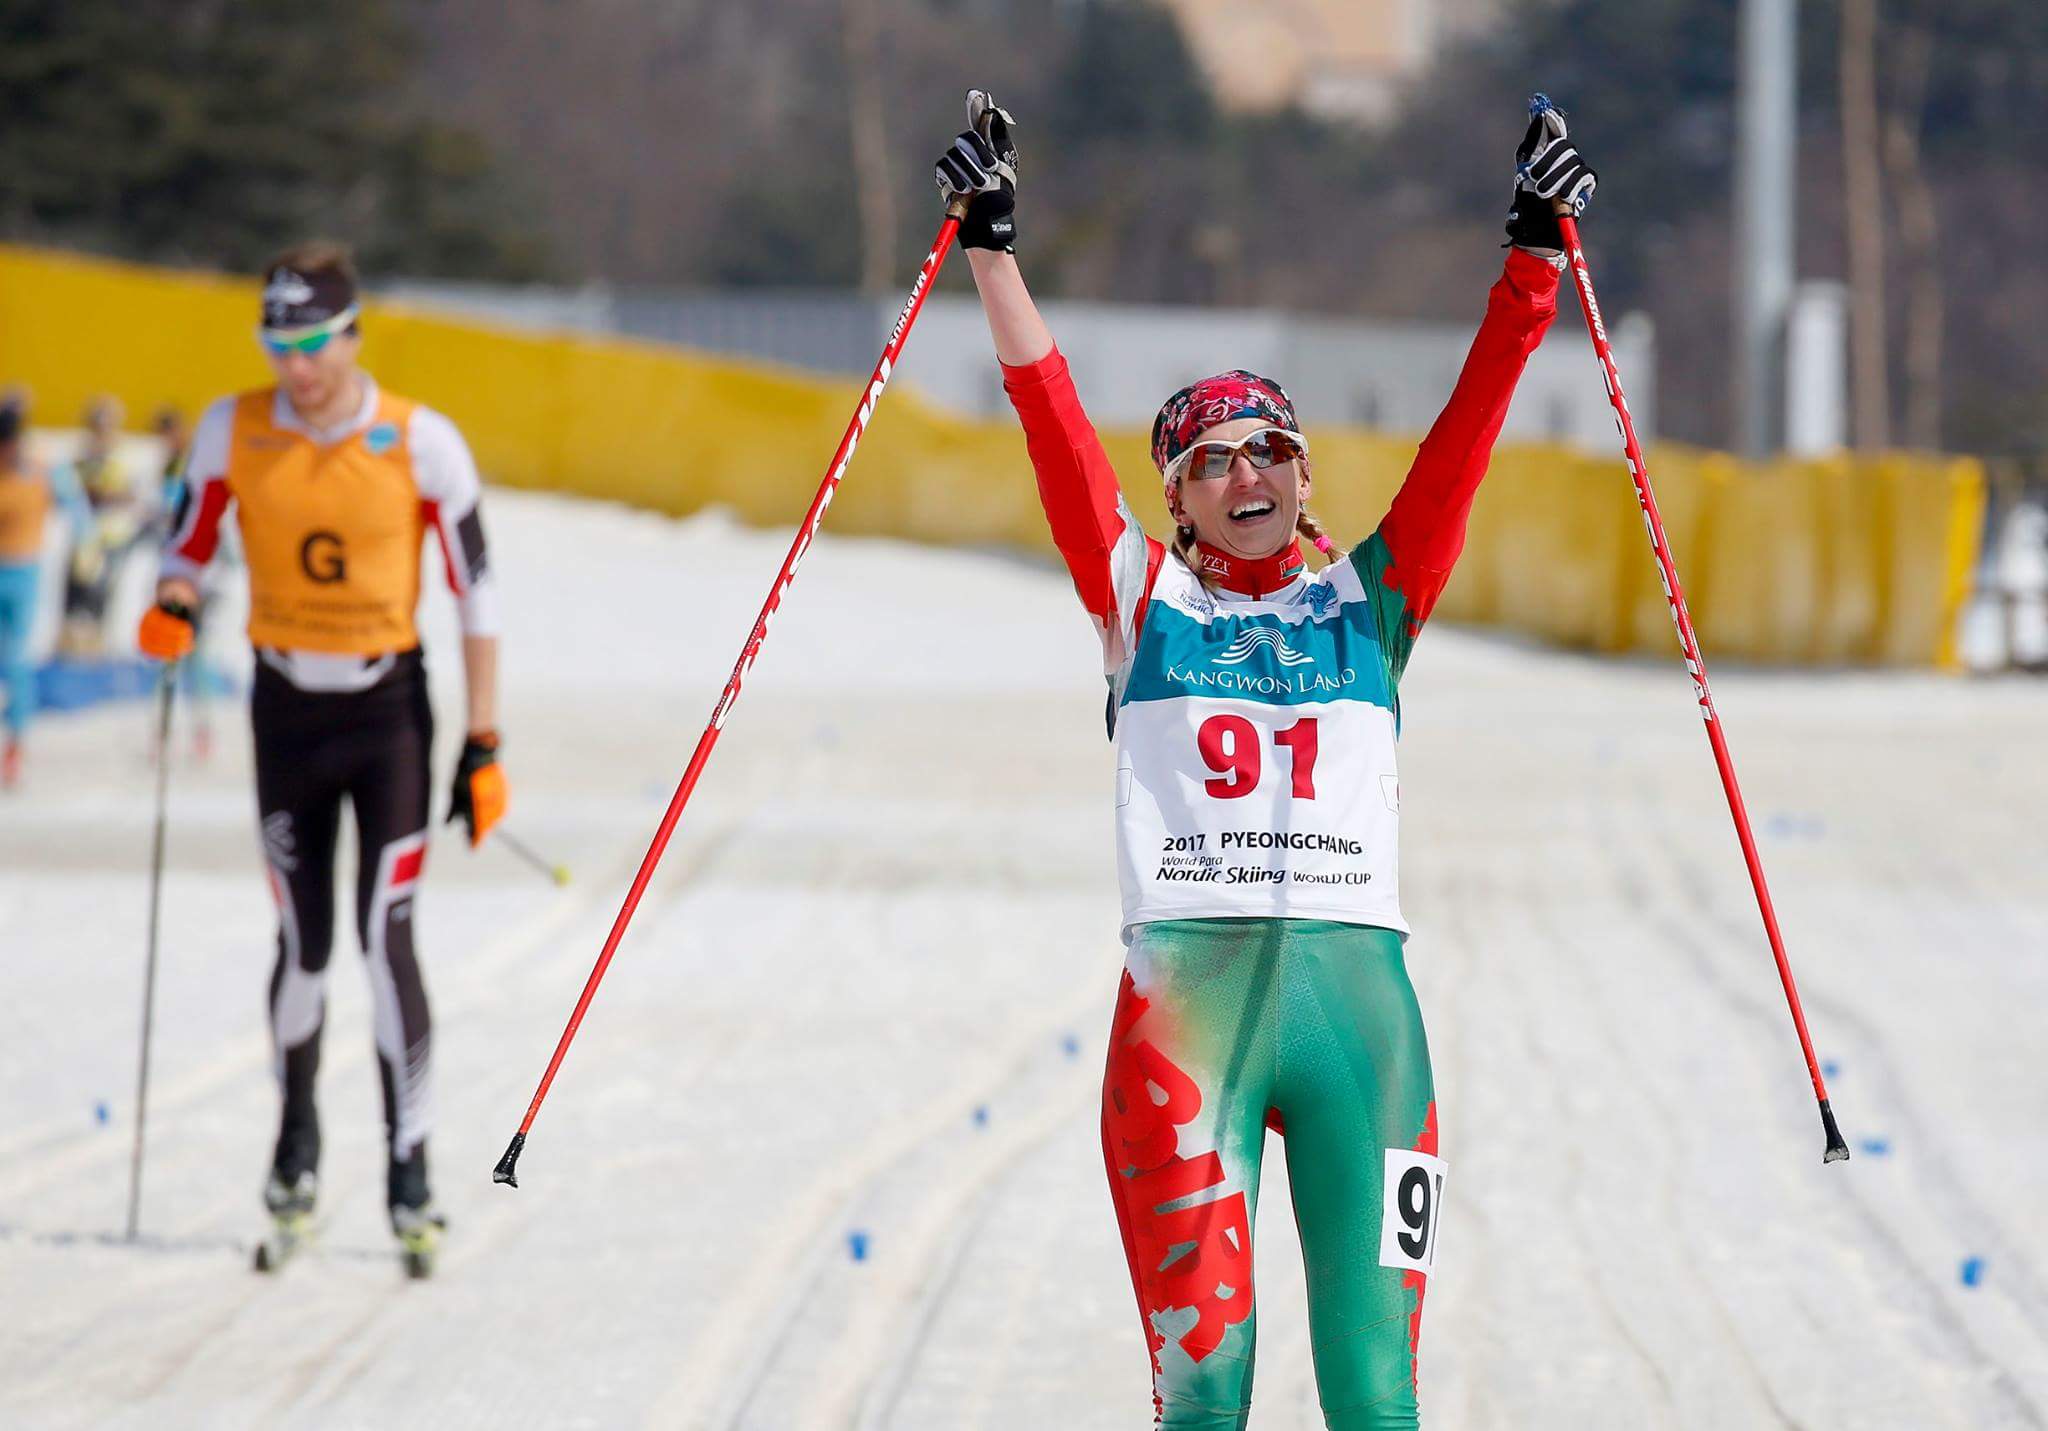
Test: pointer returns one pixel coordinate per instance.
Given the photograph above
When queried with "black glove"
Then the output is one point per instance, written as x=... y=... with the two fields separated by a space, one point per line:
x=1547 y=168
x=981 y=166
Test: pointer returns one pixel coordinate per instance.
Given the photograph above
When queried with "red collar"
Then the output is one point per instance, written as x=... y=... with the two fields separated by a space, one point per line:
x=1251 y=577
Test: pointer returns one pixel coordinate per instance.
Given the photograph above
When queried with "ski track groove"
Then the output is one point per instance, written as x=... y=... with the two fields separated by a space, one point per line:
x=1021 y=1289
x=940 y=1120
x=974 y=1206
x=1565 y=955
x=823 y=1217
x=175 y=1361
x=2018 y=1282
x=1457 y=954
x=302 y=1391
x=973 y=1203
x=1759 y=1014
x=1665 y=1118
x=1751 y=1017
x=838 y=1186
x=817 y=994
x=886 y=1388
x=1555 y=1081
x=943 y=1244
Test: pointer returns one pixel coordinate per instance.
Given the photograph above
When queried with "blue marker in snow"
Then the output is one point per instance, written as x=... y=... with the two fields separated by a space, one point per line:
x=1830 y=1070
x=981 y=1115
x=1876 y=1147
x=1972 y=1271
x=100 y=1114
x=857 y=1246
x=1070 y=1046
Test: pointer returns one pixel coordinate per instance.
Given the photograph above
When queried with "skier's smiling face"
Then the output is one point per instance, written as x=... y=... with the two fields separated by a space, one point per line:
x=1248 y=512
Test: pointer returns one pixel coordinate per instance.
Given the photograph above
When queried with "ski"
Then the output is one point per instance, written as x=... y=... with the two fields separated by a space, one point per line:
x=419 y=1239
x=289 y=1232
x=290 y=1201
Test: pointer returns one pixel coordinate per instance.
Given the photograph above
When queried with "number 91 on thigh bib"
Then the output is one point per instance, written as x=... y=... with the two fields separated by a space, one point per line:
x=1413 y=1193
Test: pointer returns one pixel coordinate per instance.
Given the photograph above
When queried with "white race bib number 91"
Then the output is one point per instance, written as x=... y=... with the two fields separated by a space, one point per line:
x=1414 y=1202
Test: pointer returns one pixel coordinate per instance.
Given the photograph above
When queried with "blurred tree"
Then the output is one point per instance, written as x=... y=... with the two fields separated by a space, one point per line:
x=1967 y=99
x=217 y=130
x=700 y=142
x=1123 y=73
x=868 y=123
x=1864 y=228
x=1963 y=90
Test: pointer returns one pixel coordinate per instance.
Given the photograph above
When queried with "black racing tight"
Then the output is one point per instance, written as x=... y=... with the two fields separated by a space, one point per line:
x=372 y=747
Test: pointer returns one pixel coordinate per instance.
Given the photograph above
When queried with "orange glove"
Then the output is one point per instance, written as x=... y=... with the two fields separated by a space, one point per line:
x=166 y=633
x=479 y=799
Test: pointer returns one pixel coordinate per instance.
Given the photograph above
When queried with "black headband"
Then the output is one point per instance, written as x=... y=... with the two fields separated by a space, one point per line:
x=295 y=300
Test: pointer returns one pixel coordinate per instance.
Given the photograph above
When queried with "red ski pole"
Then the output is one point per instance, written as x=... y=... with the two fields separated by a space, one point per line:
x=806 y=531
x=1695 y=663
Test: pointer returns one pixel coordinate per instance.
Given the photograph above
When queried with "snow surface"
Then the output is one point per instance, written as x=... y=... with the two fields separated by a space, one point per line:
x=868 y=994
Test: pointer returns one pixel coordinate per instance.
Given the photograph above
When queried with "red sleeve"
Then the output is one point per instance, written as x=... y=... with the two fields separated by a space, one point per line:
x=196 y=534
x=1425 y=528
x=1091 y=526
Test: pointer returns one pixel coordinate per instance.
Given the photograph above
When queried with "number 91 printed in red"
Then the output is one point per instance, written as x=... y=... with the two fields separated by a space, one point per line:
x=1229 y=745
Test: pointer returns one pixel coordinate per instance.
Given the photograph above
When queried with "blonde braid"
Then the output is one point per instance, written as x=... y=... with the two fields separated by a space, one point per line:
x=1309 y=527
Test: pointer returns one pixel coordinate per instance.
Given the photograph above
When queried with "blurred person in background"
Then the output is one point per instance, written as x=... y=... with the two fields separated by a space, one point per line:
x=115 y=524
x=168 y=427
x=335 y=484
x=25 y=501
x=196 y=676
x=1254 y=710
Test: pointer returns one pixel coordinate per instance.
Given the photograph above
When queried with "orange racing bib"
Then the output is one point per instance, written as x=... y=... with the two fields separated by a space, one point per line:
x=24 y=506
x=332 y=532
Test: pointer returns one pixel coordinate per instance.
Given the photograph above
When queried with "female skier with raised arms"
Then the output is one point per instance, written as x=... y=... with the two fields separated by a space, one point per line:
x=1253 y=705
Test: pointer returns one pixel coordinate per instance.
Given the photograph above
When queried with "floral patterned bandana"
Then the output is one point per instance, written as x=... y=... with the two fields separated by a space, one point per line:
x=1223 y=398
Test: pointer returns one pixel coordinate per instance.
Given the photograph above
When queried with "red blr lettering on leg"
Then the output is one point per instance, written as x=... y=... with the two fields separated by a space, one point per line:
x=1146 y=1134
x=1209 y=1242
x=1218 y=1242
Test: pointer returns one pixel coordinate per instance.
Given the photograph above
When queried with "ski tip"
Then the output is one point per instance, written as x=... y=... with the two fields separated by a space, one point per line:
x=1838 y=1148
x=506 y=1171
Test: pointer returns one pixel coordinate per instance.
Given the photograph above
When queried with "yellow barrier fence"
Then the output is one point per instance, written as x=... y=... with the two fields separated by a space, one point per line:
x=1863 y=561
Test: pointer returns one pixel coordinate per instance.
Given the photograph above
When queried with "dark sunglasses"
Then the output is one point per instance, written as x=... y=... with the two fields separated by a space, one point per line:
x=1264 y=448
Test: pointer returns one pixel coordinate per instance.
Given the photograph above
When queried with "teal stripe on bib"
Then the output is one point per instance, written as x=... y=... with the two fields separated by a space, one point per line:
x=1260 y=658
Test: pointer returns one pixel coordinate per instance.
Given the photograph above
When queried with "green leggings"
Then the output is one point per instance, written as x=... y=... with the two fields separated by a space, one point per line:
x=1223 y=1028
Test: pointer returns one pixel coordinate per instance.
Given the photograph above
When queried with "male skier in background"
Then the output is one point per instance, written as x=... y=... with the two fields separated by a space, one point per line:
x=335 y=484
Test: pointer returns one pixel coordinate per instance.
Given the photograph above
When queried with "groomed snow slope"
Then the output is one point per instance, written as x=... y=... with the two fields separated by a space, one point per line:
x=869 y=991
